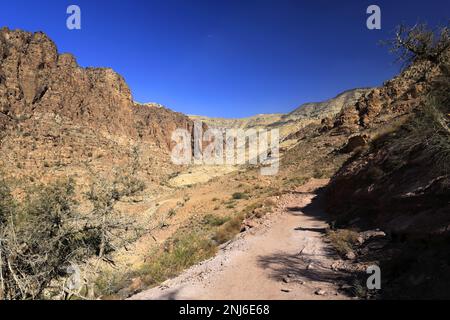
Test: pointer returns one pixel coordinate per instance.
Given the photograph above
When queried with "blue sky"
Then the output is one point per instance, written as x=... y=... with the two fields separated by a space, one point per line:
x=229 y=58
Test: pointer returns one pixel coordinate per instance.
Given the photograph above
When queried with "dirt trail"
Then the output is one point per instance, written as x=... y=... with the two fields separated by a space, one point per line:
x=285 y=257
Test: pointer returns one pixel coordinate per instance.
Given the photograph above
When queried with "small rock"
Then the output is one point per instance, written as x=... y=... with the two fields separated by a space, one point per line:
x=366 y=235
x=377 y=245
x=355 y=142
x=244 y=228
x=310 y=266
x=350 y=255
x=360 y=240
x=285 y=290
x=320 y=292
x=336 y=265
x=286 y=280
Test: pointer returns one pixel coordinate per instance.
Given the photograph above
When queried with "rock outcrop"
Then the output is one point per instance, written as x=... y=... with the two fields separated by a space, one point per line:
x=56 y=115
x=396 y=97
x=399 y=181
x=328 y=108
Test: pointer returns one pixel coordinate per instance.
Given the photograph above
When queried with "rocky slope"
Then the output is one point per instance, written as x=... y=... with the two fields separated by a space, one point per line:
x=398 y=178
x=288 y=124
x=328 y=108
x=255 y=122
x=398 y=125
x=55 y=116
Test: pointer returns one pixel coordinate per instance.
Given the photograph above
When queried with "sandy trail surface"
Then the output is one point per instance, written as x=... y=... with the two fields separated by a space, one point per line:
x=284 y=257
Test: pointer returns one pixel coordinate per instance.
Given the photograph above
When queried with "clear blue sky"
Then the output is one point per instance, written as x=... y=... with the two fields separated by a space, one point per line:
x=229 y=58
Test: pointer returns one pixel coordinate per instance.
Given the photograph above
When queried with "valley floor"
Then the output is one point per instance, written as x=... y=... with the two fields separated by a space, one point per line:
x=285 y=257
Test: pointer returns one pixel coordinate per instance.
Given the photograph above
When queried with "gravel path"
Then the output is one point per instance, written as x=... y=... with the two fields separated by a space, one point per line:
x=285 y=257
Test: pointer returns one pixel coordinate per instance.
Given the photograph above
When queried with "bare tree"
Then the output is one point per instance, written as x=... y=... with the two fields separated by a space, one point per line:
x=44 y=235
x=420 y=42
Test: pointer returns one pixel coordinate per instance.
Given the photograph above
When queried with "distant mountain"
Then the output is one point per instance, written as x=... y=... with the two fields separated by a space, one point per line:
x=257 y=121
x=308 y=113
x=328 y=108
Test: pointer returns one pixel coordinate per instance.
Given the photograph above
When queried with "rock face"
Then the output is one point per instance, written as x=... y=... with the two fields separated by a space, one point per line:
x=396 y=97
x=291 y=124
x=400 y=182
x=157 y=123
x=36 y=80
x=354 y=142
x=53 y=111
x=328 y=108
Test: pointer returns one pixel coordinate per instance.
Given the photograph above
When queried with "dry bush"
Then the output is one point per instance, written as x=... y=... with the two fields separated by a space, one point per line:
x=40 y=238
x=343 y=240
x=229 y=230
x=419 y=43
x=45 y=234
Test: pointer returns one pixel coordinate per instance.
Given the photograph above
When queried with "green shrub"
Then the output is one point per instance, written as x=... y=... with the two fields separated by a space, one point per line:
x=172 y=212
x=183 y=251
x=214 y=220
x=229 y=230
x=239 y=196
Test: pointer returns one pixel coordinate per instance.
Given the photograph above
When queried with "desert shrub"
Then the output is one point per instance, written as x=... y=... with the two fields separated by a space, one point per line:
x=45 y=234
x=420 y=43
x=343 y=240
x=41 y=239
x=298 y=181
x=184 y=250
x=6 y=203
x=227 y=231
x=125 y=180
x=172 y=212
x=214 y=220
x=239 y=196
x=131 y=185
x=319 y=173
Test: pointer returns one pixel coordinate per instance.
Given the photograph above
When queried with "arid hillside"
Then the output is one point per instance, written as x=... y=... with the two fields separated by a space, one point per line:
x=57 y=117
x=366 y=175
x=306 y=114
x=398 y=179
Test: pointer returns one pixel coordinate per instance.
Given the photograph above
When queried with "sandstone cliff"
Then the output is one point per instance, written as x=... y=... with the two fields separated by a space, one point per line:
x=56 y=115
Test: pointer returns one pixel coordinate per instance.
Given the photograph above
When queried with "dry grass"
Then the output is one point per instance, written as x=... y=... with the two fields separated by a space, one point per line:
x=343 y=240
x=229 y=230
x=178 y=253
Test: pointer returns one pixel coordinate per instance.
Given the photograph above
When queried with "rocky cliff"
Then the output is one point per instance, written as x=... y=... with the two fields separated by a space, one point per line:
x=400 y=139
x=56 y=115
x=398 y=179
x=396 y=97
x=328 y=108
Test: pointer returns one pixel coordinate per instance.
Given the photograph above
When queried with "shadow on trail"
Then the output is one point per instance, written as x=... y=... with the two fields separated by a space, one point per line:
x=319 y=230
x=303 y=265
x=170 y=295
